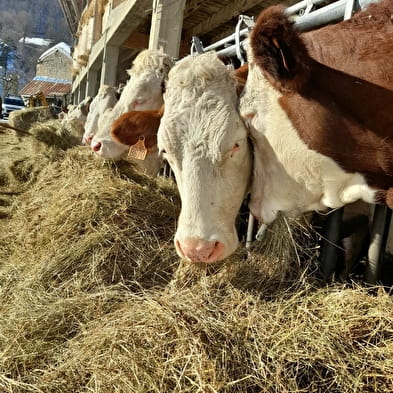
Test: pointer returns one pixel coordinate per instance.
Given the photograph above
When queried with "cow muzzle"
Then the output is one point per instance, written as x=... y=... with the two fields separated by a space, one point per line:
x=200 y=250
x=107 y=148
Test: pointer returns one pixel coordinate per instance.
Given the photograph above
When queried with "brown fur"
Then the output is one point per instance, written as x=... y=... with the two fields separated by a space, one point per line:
x=279 y=51
x=130 y=126
x=343 y=108
x=241 y=77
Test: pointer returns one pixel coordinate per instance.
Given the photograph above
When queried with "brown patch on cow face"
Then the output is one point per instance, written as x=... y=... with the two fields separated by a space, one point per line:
x=279 y=51
x=130 y=126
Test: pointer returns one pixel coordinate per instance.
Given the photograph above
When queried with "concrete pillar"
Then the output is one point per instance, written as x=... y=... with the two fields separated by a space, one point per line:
x=109 y=65
x=166 y=26
x=92 y=82
x=82 y=91
x=97 y=29
x=74 y=96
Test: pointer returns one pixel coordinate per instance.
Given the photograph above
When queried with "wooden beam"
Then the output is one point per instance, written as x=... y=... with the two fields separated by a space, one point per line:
x=223 y=15
x=192 y=6
x=141 y=41
x=136 y=41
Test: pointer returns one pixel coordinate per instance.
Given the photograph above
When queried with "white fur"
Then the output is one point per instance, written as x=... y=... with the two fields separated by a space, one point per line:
x=78 y=113
x=289 y=176
x=143 y=91
x=105 y=99
x=197 y=133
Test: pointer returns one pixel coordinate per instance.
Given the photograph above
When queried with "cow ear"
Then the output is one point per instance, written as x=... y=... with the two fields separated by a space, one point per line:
x=86 y=106
x=279 y=51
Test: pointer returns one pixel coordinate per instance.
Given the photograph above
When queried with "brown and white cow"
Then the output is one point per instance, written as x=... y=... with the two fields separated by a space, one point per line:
x=143 y=91
x=322 y=136
x=307 y=121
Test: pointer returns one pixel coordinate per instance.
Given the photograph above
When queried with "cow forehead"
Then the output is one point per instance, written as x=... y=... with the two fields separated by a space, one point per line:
x=207 y=128
x=149 y=77
x=143 y=84
x=200 y=106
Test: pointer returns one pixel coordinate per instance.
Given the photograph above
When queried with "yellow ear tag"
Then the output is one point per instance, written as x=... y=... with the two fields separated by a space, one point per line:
x=139 y=150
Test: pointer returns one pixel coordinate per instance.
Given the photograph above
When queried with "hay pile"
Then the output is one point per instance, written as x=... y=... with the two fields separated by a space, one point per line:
x=94 y=299
x=25 y=153
x=26 y=117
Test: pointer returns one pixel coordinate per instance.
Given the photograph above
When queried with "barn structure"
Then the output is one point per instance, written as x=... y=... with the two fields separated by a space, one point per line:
x=110 y=33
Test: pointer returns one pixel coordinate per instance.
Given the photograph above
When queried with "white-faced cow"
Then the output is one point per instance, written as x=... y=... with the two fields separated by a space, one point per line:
x=77 y=115
x=106 y=98
x=205 y=142
x=321 y=135
x=143 y=91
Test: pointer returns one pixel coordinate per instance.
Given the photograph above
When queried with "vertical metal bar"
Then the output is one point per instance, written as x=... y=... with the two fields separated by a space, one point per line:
x=349 y=8
x=250 y=230
x=328 y=258
x=379 y=235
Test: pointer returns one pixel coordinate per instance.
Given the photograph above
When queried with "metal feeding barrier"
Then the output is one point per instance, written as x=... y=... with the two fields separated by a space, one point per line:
x=308 y=15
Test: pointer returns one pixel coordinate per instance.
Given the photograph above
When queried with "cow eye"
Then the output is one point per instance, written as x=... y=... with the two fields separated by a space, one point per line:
x=235 y=148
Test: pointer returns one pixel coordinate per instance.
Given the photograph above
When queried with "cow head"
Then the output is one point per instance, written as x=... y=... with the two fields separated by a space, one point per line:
x=143 y=91
x=204 y=140
x=105 y=98
x=78 y=114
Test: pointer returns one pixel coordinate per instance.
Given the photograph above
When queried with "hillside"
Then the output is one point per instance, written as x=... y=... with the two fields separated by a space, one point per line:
x=24 y=18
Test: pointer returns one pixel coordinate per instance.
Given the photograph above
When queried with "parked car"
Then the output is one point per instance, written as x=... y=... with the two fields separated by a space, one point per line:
x=11 y=103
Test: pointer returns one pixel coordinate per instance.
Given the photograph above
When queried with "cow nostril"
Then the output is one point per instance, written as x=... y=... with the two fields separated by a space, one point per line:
x=97 y=147
x=216 y=250
x=88 y=139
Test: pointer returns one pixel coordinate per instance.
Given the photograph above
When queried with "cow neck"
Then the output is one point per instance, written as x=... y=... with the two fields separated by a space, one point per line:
x=345 y=118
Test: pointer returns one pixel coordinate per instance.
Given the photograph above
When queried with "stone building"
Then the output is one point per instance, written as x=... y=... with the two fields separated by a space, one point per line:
x=53 y=75
x=55 y=62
